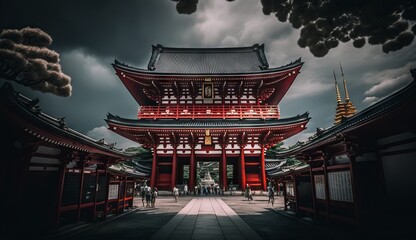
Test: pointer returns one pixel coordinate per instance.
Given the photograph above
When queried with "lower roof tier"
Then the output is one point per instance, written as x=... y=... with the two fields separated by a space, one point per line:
x=216 y=131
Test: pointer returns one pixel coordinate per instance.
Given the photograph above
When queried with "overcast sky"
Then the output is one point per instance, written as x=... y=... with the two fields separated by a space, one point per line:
x=89 y=35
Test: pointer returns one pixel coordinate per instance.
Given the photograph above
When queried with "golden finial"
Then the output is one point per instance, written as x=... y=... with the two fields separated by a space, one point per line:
x=336 y=88
x=347 y=97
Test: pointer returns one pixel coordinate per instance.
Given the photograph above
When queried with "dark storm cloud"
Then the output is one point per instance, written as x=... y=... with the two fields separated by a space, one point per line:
x=117 y=29
x=186 y=6
x=326 y=23
x=26 y=59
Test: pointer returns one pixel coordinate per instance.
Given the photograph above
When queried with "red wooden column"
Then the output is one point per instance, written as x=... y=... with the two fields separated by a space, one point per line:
x=324 y=166
x=263 y=170
x=192 y=169
x=224 y=168
x=220 y=171
x=353 y=174
x=315 y=211
x=174 y=166
x=242 y=168
x=154 y=168
x=65 y=157
x=81 y=186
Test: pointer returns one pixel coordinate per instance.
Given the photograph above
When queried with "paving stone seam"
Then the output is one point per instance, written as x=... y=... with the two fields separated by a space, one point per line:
x=244 y=228
x=168 y=228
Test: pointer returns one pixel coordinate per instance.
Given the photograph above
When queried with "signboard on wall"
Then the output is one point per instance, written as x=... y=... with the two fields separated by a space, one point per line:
x=319 y=186
x=290 y=189
x=113 y=191
x=340 y=188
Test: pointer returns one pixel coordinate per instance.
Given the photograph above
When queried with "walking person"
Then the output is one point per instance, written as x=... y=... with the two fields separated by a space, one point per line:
x=154 y=196
x=148 y=192
x=175 y=192
x=248 y=193
x=270 y=193
x=185 y=190
x=143 y=194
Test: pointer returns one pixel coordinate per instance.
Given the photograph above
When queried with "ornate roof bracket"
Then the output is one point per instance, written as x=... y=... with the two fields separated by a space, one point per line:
x=153 y=139
x=240 y=89
x=243 y=140
x=223 y=139
x=193 y=91
x=257 y=89
x=176 y=90
x=192 y=139
x=223 y=89
x=174 y=139
x=265 y=138
x=158 y=89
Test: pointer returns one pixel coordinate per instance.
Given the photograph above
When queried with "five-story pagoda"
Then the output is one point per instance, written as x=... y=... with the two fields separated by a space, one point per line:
x=208 y=104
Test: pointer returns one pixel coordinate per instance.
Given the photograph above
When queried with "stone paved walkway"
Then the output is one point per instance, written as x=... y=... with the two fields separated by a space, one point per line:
x=203 y=217
x=206 y=218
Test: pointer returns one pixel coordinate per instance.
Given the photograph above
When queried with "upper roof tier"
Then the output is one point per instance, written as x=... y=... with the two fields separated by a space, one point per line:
x=180 y=74
x=208 y=60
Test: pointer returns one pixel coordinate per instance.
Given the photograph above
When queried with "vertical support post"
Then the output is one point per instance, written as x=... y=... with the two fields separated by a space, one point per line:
x=242 y=168
x=192 y=169
x=81 y=187
x=180 y=172
x=119 y=195
x=125 y=192
x=263 y=170
x=313 y=190
x=62 y=171
x=284 y=195
x=220 y=169
x=295 y=186
x=353 y=169
x=154 y=168
x=97 y=174
x=174 y=166
x=107 y=189
x=326 y=188
x=224 y=168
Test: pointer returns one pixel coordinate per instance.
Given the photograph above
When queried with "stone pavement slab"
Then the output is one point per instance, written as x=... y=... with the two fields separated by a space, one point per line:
x=206 y=218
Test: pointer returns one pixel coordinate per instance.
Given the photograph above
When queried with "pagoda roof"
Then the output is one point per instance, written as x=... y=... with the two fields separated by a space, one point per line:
x=28 y=114
x=396 y=110
x=129 y=171
x=273 y=165
x=285 y=170
x=203 y=124
x=207 y=61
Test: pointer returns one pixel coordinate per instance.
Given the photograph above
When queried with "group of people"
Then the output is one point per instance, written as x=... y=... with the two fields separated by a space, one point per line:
x=207 y=190
x=148 y=194
x=270 y=193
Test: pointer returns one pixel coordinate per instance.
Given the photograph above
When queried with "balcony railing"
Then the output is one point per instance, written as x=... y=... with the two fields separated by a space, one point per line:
x=209 y=112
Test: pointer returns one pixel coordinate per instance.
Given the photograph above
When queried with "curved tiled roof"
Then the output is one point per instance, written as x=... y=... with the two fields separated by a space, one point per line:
x=210 y=123
x=127 y=170
x=28 y=110
x=208 y=61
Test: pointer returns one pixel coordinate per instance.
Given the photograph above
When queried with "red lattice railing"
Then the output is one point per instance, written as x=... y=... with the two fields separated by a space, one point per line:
x=209 y=112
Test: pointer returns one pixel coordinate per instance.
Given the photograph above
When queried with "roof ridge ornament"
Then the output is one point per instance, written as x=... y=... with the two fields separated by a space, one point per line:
x=61 y=122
